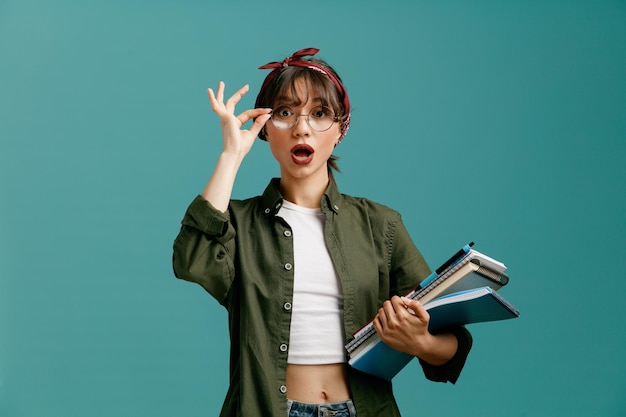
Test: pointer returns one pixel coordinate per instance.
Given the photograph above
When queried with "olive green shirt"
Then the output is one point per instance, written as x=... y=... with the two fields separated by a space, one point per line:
x=245 y=259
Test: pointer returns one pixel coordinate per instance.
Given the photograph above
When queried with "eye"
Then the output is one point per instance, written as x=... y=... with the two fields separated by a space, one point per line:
x=282 y=112
x=321 y=113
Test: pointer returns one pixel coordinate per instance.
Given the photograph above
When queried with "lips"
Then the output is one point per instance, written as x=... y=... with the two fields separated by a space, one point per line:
x=302 y=154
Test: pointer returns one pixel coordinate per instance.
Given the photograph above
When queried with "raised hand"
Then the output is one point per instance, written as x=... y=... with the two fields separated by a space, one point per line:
x=237 y=141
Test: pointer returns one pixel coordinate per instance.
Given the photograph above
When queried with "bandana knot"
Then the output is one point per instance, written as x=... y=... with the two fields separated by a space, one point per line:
x=292 y=60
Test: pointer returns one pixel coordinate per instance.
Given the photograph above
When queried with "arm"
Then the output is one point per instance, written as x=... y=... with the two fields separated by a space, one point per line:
x=442 y=356
x=204 y=247
x=237 y=144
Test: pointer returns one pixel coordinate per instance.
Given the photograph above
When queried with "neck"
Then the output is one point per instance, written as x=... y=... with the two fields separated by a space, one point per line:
x=304 y=192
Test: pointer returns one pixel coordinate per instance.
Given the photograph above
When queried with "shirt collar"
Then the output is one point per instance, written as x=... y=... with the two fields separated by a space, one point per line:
x=332 y=199
x=272 y=199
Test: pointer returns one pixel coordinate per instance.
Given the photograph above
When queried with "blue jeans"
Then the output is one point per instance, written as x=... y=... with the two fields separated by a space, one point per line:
x=298 y=409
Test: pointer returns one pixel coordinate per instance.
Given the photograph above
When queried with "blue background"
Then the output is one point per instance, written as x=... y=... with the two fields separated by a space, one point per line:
x=498 y=122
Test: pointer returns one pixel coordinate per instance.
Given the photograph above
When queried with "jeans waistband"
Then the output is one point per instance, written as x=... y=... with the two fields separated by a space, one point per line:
x=300 y=409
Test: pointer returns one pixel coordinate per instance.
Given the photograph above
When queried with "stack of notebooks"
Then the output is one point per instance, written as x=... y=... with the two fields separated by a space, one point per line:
x=462 y=291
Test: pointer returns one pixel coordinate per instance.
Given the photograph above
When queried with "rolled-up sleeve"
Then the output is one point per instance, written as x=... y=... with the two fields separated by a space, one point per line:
x=204 y=249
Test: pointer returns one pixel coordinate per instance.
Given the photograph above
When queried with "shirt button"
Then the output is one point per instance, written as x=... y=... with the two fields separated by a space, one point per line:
x=267 y=211
x=287 y=306
x=288 y=266
x=287 y=233
x=283 y=389
x=283 y=347
x=336 y=207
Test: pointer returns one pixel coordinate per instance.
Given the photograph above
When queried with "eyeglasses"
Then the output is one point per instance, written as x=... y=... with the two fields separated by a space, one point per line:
x=320 y=118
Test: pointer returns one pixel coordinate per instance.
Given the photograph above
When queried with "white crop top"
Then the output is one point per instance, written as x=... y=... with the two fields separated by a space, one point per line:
x=316 y=334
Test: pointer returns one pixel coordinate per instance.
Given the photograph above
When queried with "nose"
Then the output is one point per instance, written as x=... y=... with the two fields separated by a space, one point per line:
x=301 y=128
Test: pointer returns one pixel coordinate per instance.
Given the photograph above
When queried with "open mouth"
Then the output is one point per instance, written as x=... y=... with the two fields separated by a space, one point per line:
x=302 y=154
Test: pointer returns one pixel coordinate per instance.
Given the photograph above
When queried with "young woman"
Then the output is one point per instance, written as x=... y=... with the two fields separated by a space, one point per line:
x=301 y=267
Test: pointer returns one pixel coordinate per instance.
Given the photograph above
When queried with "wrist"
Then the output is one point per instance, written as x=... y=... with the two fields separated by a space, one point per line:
x=231 y=159
x=438 y=349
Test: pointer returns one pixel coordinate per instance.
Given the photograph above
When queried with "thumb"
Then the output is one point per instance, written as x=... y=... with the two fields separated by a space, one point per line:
x=258 y=124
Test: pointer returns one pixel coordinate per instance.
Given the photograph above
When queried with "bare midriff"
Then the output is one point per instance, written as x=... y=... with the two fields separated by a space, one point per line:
x=317 y=384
